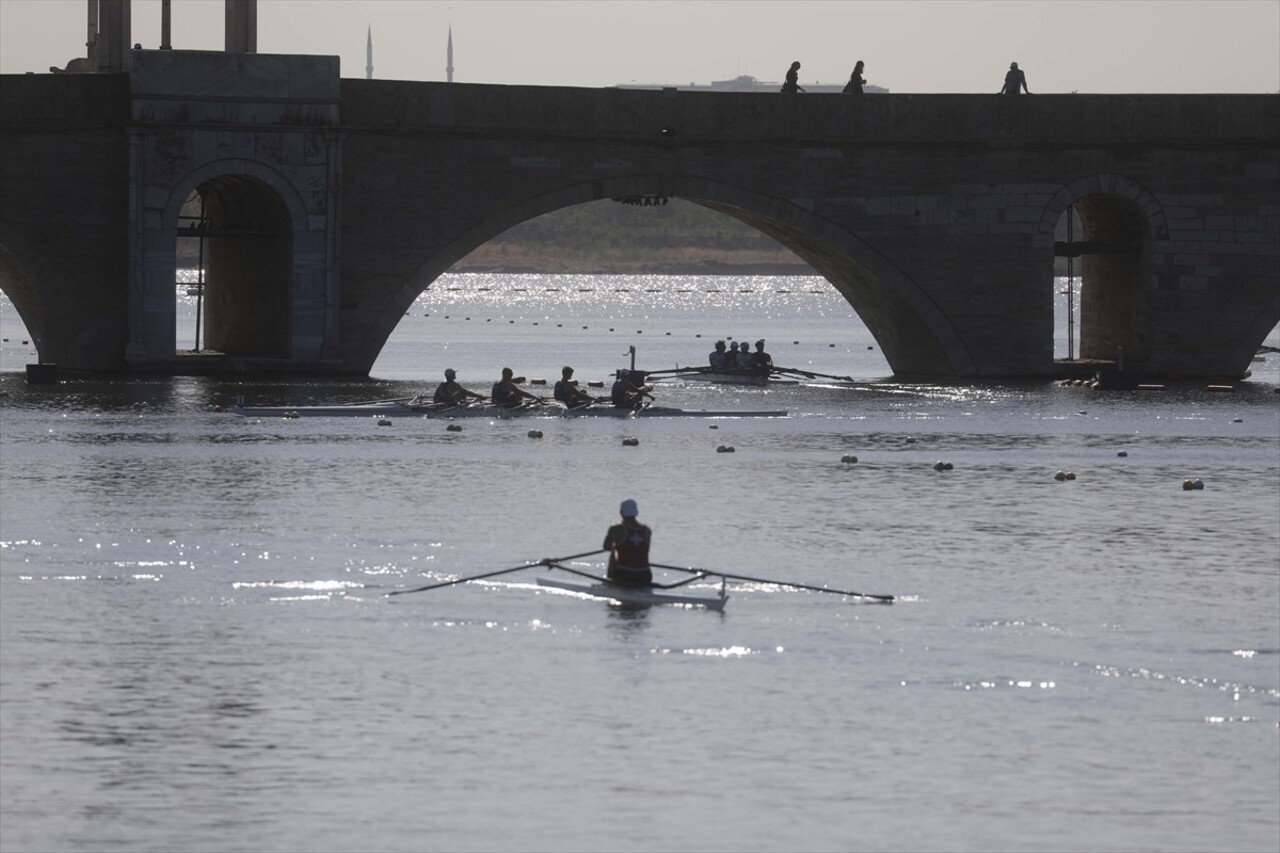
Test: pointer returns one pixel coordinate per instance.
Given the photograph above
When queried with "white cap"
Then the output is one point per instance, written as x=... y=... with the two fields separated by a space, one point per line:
x=629 y=509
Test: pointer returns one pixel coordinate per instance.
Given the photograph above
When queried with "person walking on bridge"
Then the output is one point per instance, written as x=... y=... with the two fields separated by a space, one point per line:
x=792 y=84
x=1015 y=82
x=856 y=81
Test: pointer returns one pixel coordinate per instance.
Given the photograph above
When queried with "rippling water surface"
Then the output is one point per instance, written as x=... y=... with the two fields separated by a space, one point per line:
x=197 y=652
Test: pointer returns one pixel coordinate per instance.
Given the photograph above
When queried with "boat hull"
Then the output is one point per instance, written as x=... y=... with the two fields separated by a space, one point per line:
x=640 y=596
x=404 y=410
x=728 y=379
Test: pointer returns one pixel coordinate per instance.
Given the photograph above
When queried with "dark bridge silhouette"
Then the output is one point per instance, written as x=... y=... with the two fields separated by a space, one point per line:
x=329 y=205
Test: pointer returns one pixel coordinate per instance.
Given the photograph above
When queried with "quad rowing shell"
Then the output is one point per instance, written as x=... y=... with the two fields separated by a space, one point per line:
x=636 y=595
x=397 y=409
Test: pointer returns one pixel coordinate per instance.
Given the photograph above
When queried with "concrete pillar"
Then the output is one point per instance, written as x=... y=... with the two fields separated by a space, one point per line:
x=114 y=32
x=242 y=26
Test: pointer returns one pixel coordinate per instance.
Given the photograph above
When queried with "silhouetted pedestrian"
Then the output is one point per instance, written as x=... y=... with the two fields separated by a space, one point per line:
x=1015 y=82
x=854 y=86
x=793 y=79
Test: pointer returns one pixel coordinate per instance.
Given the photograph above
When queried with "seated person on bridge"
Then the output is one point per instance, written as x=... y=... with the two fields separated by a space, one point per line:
x=629 y=390
x=451 y=393
x=568 y=392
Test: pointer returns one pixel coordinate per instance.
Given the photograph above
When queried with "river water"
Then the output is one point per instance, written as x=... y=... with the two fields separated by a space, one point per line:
x=197 y=652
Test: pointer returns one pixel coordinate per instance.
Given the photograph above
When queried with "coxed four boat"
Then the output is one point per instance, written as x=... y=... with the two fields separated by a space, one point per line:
x=398 y=409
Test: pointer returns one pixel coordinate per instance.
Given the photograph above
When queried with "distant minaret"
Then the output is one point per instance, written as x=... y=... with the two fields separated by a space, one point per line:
x=448 y=69
x=368 y=56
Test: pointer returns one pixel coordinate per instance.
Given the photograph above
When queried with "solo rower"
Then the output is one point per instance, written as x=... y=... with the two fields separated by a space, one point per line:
x=628 y=545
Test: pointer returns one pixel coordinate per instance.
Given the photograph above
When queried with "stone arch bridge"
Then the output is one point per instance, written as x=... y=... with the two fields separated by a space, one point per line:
x=325 y=206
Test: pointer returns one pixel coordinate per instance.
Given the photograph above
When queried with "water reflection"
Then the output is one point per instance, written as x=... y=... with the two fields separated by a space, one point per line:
x=628 y=621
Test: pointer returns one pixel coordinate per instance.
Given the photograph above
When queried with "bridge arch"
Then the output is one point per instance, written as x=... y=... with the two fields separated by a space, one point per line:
x=23 y=273
x=1121 y=221
x=255 y=221
x=913 y=333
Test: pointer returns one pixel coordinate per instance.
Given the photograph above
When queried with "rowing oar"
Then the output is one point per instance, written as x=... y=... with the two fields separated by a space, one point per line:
x=545 y=561
x=808 y=375
x=676 y=370
x=392 y=400
x=776 y=583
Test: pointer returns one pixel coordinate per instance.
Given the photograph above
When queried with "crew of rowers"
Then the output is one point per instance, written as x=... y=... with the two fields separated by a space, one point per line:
x=629 y=391
x=739 y=358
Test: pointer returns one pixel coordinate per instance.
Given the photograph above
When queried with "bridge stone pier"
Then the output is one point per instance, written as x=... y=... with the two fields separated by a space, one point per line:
x=325 y=206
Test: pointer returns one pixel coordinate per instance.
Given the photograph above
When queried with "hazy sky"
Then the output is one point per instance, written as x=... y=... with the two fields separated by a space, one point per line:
x=1139 y=46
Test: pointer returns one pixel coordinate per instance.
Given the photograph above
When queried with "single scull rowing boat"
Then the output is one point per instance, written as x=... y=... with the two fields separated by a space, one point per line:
x=637 y=595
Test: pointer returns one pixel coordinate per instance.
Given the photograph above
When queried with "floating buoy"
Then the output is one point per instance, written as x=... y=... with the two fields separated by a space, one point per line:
x=595 y=383
x=1190 y=485
x=535 y=433
x=724 y=448
x=384 y=422
x=1238 y=421
x=1071 y=475
x=630 y=441
x=454 y=428
x=714 y=426
x=1060 y=476
x=1123 y=453
x=938 y=466
x=848 y=459
x=290 y=415
x=537 y=382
